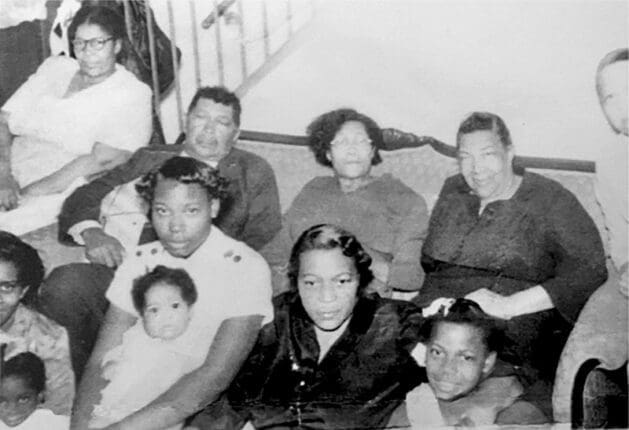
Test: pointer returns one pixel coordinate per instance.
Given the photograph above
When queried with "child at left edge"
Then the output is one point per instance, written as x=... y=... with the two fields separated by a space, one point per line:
x=22 y=392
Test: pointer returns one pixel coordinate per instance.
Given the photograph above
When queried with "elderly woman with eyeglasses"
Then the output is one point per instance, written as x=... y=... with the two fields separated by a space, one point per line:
x=24 y=329
x=74 y=117
x=388 y=217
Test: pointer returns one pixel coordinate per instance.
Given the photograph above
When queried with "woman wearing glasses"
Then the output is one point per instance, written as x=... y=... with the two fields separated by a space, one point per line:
x=23 y=329
x=387 y=217
x=73 y=118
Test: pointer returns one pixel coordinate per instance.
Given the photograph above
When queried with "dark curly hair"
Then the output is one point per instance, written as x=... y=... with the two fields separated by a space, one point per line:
x=484 y=121
x=328 y=236
x=106 y=18
x=29 y=368
x=219 y=95
x=468 y=312
x=161 y=274
x=186 y=170
x=26 y=260
x=323 y=129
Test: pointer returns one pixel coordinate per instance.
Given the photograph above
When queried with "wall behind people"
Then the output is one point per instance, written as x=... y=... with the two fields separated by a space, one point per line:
x=422 y=65
x=208 y=59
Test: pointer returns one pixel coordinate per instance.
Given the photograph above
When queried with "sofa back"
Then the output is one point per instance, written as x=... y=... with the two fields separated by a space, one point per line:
x=422 y=168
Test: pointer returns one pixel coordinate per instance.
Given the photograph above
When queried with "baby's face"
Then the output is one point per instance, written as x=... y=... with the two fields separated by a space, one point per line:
x=166 y=314
x=17 y=400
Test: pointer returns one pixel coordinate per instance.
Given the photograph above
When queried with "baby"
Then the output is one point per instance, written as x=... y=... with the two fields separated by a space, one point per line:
x=462 y=345
x=22 y=392
x=156 y=351
x=164 y=299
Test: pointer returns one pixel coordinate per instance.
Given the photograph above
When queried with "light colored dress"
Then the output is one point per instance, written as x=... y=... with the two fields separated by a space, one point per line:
x=51 y=130
x=423 y=408
x=501 y=405
x=232 y=281
x=141 y=368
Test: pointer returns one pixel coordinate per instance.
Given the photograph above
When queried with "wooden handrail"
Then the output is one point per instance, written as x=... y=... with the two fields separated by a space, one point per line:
x=395 y=139
x=218 y=11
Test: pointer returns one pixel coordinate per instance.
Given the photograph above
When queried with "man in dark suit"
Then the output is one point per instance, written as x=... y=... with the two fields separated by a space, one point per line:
x=74 y=294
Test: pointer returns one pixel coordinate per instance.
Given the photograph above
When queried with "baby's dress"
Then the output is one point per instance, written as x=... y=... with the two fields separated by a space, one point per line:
x=141 y=369
x=42 y=419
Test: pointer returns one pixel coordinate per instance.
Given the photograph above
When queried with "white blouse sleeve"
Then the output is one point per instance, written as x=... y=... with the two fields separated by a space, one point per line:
x=127 y=122
x=53 y=72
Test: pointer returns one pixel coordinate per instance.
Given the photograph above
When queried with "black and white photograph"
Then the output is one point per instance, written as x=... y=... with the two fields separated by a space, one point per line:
x=314 y=214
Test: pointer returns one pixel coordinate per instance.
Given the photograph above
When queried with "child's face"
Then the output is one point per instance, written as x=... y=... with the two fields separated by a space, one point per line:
x=17 y=400
x=11 y=292
x=166 y=314
x=456 y=360
x=182 y=215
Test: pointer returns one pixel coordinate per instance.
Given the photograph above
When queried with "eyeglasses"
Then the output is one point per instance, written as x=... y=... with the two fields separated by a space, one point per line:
x=7 y=287
x=345 y=143
x=96 y=43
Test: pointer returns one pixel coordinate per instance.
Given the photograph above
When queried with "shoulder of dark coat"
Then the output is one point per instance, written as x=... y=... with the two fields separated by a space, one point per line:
x=399 y=310
x=282 y=304
x=253 y=162
x=455 y=182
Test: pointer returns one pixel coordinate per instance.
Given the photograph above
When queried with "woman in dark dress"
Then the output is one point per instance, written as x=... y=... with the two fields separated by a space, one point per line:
x=519 y=244
x=335 y=357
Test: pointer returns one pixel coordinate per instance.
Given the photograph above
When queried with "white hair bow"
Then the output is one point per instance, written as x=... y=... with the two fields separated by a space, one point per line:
x=442 y=304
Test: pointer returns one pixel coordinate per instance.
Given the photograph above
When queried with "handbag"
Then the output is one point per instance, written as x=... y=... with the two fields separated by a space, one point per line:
x=139 y=58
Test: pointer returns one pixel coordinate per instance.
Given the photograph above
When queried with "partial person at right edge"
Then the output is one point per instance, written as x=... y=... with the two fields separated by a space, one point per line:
x=601 y=330
x=74 y=295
